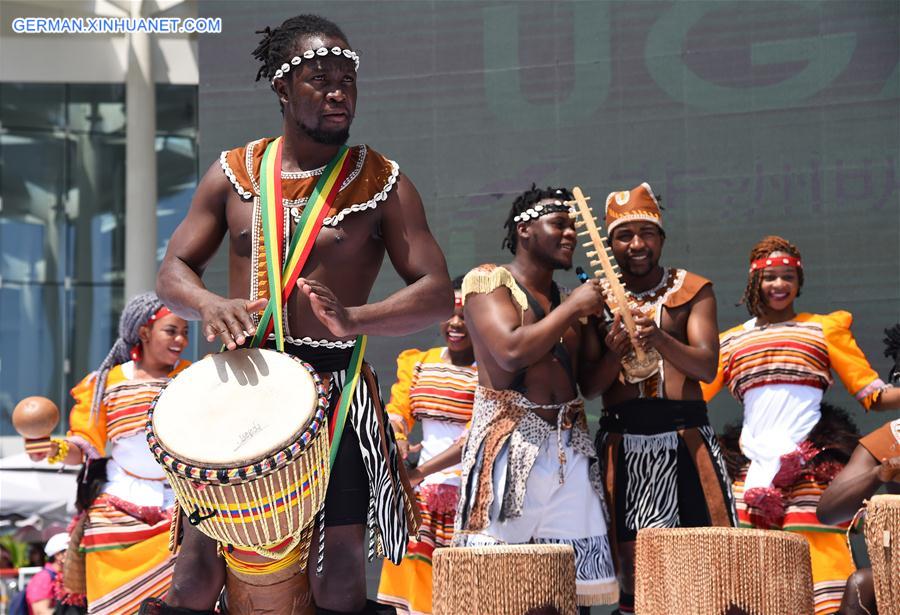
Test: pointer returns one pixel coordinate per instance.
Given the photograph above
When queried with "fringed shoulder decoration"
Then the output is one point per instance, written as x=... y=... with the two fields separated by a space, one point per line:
x=487 y=278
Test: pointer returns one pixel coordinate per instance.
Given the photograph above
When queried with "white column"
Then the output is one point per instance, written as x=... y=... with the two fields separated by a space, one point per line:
x=140 y=165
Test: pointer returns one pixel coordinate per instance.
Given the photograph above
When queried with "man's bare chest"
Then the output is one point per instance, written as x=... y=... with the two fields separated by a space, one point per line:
x=355 y=234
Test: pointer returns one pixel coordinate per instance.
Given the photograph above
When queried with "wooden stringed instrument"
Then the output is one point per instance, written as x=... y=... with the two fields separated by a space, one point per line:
x=639 y=364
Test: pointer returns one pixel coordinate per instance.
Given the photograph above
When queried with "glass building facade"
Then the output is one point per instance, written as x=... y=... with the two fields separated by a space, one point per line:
x=62 y=215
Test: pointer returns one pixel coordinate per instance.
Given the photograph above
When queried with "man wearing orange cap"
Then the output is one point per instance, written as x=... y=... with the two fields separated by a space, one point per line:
x=662 y=466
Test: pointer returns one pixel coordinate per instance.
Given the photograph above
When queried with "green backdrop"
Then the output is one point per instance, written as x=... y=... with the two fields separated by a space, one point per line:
x=749 y=118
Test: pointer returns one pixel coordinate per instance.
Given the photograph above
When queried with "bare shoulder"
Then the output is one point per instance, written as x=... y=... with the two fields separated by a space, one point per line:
x=704 y=294
x=404 y=195
x=214 y=189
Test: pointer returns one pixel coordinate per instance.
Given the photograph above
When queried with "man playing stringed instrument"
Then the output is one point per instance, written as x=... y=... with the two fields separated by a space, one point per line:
x=662 y=466
x=529 y=470
x=306 y=213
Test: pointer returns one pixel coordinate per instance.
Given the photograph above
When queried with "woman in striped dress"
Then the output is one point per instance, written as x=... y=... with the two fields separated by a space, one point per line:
x=778 y=365
x=435 y=387
x=123 y=531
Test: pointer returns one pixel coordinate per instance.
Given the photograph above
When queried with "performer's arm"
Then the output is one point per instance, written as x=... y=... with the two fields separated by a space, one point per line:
x=192 y=246
x=87 y=434
x=859 y=480
x=888 y=400
x=417 y=258
x=398 y=408
x=712 y=389
x=601 y=362
x=697 y=358
x=852 y=366
x=495 y=318
x=447 y=458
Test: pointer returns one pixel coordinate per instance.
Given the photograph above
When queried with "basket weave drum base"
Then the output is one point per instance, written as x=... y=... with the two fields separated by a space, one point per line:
x=707 y=571
x=503 y=579
x=882 y=531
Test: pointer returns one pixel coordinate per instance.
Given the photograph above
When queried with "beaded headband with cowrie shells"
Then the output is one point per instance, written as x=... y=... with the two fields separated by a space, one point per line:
x=542 y=209
x=309 y=54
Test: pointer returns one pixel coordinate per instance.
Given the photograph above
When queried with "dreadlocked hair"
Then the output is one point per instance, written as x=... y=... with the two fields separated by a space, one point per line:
x=137 y=312
x=764 y=248
x=525 y=201
x=279 y=44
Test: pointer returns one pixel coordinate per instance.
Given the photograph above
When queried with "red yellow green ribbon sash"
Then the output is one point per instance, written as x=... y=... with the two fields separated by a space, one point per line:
x=283 y=278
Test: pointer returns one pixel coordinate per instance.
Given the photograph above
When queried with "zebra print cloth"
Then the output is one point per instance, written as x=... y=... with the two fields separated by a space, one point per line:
x=592 y=559
x=661 y=485
x=389 y=504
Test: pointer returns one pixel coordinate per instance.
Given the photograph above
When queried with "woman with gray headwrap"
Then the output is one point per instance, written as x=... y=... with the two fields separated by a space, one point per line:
x=123 y=531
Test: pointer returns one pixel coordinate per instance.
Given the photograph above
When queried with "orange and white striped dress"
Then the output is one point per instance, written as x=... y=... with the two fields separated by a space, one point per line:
x=126 y=529
x=439 y=395
x=779 y=372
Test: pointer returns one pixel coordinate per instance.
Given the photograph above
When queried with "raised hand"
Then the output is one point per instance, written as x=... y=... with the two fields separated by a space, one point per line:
x=328 y=308
x=587 y=299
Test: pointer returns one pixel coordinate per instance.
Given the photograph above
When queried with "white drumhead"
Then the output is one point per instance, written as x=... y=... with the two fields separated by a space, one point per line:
x=235 y=407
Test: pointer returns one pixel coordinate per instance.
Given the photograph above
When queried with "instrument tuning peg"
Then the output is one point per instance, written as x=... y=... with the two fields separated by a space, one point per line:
x=582 y=233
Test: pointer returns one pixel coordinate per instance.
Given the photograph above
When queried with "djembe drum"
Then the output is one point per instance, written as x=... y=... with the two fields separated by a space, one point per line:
x=718 y=570
x=243 y=439
x=882 y=529
x=504 y=580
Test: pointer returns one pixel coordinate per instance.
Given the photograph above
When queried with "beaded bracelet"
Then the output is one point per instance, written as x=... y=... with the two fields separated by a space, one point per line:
x=400 y=436
x=62 y=450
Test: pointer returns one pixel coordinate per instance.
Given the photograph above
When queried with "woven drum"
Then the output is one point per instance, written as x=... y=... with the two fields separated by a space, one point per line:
x=503 y=579
x=883 y=542
x=242 y=437
x=706 y=571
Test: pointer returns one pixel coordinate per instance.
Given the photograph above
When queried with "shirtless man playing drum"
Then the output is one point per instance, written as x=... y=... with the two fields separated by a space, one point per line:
x=377 y=210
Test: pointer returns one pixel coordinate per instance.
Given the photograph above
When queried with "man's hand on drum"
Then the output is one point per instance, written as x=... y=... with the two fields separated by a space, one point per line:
x=327 y=308
x=229 y=320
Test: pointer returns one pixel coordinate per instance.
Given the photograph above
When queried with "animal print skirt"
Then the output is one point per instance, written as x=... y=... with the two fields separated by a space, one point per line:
x=662 y=467
x=525 y=480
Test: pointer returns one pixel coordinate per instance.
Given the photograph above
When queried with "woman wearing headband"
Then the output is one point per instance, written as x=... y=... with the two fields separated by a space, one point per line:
x=124 y=499
x=778 y=365
x=436 y=388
